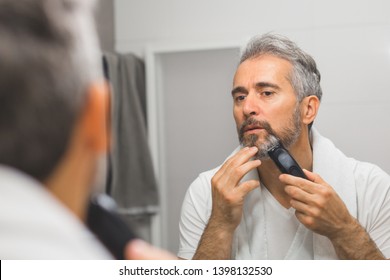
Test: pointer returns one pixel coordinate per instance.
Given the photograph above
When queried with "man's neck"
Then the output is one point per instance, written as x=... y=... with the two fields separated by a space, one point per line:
x=70 y=182
x=269 y=173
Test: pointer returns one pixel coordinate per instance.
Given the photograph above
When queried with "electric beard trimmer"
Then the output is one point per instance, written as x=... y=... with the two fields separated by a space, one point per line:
x=283 y=160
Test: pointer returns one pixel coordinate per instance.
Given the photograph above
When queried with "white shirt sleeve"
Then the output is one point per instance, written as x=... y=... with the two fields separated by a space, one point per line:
x=195 y=214
x=373 y=191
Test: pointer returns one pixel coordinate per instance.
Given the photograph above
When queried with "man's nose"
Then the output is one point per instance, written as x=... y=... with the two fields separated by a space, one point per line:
x=251 y=105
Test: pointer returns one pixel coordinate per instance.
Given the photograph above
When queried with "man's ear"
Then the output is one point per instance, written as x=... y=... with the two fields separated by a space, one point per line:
x=309 y=108
x=94 y=119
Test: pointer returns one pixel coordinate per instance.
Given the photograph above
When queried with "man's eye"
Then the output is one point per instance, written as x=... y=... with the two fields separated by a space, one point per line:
x=239 y=97
x=267 y=93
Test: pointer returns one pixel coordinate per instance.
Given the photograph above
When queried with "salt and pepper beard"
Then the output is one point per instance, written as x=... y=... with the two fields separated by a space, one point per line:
x=288 y=135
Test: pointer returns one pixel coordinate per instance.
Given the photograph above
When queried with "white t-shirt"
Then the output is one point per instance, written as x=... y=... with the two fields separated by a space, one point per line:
x=285 y=236
x=364 y=188
x=35 y=225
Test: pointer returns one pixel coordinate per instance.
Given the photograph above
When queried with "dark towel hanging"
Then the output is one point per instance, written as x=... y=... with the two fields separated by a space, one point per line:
x=131 y=180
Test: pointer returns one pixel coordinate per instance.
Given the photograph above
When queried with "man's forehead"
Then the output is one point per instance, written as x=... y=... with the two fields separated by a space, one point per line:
x=263 y=68
x=265 y=60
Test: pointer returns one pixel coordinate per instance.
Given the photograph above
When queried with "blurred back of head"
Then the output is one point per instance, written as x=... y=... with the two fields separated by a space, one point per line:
x=48 y=56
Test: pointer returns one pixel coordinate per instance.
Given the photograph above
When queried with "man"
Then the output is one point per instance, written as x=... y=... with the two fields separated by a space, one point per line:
x=52 y=131
x=247 y=209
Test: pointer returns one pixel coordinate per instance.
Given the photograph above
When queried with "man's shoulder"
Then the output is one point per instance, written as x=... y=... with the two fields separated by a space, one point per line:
x=38 y=226
x=207 y=175
x=325 y=150
x=370 y=173
x=202 y=183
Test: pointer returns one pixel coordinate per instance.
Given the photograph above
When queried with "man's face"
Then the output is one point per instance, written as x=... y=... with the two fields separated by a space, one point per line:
x=265 y=103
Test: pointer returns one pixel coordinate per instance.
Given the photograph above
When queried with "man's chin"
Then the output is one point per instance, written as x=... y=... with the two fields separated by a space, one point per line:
x=262 y=146
x=262 y=152
x=253 y=140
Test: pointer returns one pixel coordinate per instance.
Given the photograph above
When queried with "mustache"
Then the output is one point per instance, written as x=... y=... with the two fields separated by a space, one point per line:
x=253 y=122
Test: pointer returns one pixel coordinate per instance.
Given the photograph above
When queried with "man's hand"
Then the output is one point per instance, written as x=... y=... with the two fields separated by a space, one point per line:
x=228 y=193
x=228 y=196
x=321 y=210
x=317 y=205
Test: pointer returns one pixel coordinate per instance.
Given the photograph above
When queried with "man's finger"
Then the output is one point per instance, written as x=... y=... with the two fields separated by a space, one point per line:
x=248 y=186
x=315 y=178
x=298 y=194
x=242 y=156
x=239 y=172
x=301 y=183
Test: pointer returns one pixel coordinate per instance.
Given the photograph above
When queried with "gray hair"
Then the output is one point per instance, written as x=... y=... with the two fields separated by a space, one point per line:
x=49 y=55
x=305 y=77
